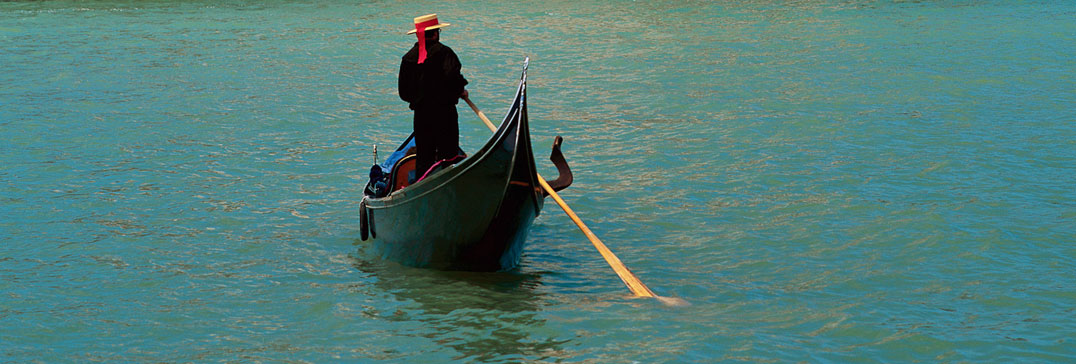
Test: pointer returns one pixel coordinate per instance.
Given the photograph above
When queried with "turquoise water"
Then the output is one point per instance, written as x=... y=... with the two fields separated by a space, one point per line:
x=824 y=181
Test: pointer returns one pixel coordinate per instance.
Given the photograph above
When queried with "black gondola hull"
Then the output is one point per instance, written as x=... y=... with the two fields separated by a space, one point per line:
x=473 y=215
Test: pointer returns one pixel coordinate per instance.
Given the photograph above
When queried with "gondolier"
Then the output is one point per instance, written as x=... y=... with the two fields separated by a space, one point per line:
x=431 y=82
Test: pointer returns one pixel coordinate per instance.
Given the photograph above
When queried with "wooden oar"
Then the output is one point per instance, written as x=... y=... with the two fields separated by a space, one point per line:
x=634 y=284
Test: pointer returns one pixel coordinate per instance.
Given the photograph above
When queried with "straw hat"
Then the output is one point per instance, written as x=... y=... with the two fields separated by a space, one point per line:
x=428 y=20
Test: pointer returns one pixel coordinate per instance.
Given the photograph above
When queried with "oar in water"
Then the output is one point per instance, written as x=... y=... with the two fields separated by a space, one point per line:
x=634 y=284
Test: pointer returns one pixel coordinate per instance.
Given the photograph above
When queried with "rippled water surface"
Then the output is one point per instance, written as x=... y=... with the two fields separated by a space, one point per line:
x=824 y=181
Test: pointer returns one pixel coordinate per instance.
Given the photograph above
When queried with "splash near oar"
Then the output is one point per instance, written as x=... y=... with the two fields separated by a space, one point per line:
x=634 y=284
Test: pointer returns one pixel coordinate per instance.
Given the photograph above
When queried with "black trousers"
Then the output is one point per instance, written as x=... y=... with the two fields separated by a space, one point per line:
x=437 y=136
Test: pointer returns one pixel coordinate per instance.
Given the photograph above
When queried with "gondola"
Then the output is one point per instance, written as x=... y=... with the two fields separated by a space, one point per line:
x=472 y=214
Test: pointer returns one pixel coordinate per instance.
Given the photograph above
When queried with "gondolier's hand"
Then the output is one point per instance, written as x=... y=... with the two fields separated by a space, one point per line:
x=463 y=95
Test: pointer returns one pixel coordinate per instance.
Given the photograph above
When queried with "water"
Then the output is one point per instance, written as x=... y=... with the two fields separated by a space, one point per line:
x=824 y=181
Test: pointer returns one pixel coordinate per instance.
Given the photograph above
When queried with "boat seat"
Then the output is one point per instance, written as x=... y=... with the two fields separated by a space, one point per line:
x=402 y=172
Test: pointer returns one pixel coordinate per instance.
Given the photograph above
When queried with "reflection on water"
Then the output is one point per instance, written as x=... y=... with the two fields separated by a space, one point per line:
x=485 y=317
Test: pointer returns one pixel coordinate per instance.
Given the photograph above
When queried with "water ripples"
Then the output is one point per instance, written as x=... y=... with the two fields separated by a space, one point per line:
x=822 y=181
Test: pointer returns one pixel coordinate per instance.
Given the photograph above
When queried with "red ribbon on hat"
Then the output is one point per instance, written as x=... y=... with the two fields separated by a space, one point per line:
x=421 y=31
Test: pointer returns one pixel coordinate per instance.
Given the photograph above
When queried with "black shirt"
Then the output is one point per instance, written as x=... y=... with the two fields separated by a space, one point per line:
x=435 y=82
